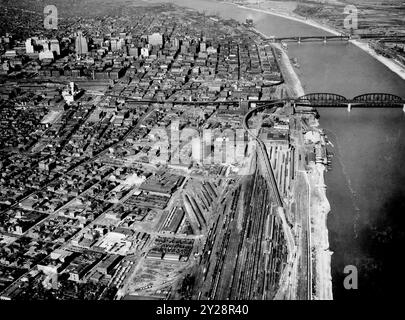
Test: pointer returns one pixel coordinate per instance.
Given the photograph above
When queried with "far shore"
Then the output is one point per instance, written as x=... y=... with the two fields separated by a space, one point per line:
x=291 y=17
x=389 y=63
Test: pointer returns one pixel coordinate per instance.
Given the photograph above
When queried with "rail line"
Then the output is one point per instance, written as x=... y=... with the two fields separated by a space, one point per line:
x=277 y=196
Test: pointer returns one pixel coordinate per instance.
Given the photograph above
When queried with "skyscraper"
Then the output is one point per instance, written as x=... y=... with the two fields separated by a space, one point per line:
x=29 y=48
x=55 y=46
x=81 y=44
x=46 y=53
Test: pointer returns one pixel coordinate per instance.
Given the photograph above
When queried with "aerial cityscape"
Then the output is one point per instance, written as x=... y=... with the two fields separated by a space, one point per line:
x=201 y=149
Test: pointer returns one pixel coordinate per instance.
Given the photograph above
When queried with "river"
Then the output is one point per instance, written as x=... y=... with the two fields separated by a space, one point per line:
x=366 y=187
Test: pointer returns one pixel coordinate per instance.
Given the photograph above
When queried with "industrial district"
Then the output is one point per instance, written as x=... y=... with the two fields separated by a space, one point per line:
x=142 y=156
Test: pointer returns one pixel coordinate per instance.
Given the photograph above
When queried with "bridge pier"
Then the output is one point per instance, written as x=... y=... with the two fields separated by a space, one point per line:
x=299 y=40
x=324 y=40
x=349 y=107
x=403 y=108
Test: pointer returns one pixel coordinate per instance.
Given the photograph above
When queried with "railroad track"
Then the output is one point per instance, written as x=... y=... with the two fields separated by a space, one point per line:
x=277 y=196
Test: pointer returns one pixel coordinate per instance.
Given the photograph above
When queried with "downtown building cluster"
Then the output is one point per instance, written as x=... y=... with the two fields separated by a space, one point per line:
x=88 y=208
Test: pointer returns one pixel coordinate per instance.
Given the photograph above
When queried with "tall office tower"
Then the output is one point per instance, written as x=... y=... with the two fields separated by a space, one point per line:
x=29 y=48
x=81 y=44
x=46 y=53
x=55 y=46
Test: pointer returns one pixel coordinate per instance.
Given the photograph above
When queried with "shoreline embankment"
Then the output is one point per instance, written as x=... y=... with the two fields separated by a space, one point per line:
x=389 y=63
x=321 y=206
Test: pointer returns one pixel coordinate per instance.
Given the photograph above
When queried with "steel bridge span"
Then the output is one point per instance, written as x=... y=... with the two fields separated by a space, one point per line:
x=368 y=100
x=300 y=39
x=341 y=37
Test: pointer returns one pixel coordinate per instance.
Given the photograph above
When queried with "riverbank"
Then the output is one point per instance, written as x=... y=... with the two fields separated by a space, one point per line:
x=319 y=210
x=291 y=80
x=389 y=63
x=319 y=204
x=294 y=17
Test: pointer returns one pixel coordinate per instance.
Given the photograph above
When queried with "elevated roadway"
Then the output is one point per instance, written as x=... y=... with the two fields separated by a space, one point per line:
x=273 y=183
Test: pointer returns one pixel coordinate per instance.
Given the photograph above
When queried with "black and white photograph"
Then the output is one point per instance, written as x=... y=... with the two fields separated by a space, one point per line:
x=213 y=152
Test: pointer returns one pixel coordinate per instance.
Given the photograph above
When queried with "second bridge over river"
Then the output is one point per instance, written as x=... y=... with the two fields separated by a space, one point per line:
x=341 y=37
